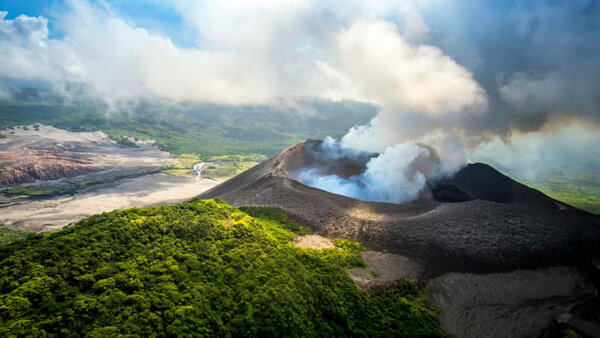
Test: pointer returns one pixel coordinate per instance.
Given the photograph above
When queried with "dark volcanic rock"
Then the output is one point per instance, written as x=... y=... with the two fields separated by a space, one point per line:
x=481 y=181
x=493 y=224
x=449 y=193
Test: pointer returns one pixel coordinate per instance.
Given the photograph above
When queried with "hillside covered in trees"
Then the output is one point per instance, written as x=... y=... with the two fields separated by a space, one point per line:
x=197 y=128
x=200 y=268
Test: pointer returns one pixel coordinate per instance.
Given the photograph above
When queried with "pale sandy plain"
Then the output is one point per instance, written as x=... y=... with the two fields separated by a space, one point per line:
x=54 y=213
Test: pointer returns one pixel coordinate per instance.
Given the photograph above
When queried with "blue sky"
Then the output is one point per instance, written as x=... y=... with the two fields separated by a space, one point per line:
x=154 y=15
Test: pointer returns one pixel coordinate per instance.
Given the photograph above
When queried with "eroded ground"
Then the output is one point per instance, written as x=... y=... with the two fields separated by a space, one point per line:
x=313 y=242
x=384 y=269
x=64 y=176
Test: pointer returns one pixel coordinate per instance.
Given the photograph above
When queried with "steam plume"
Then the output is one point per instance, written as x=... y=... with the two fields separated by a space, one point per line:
x=398 y=175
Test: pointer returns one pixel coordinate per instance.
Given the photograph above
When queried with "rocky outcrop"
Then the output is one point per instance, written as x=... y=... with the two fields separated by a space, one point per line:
x=31 y=165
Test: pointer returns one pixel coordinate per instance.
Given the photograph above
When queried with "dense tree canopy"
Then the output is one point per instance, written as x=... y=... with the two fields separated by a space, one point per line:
x=200 y=268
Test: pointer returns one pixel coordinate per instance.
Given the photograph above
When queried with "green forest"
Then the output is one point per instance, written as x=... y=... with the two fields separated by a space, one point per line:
x=209 y=130
x=199 y=268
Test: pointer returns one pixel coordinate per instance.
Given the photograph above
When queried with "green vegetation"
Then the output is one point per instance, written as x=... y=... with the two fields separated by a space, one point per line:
x=194 y=128
x=581 y=191
x=189 y=159
x=8 y=235
x=124 y=141
x=177 y=169
x=185 y=164
x=228 y=170
x=560 y=330
x=237 y=158
x=224 y=166
x=200 y=268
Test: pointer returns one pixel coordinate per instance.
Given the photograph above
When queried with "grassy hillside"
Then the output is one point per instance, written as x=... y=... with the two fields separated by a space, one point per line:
x=200 y=268
x=581 y=191
x=575 y=183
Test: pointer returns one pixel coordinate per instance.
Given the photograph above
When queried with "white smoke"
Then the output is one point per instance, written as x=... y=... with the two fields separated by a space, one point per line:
x=423 y=94
x=398 y=175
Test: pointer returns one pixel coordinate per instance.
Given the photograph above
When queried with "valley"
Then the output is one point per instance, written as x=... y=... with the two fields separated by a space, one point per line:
x=85 y=173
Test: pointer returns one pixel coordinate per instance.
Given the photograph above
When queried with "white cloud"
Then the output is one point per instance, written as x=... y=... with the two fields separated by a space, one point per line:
x=25 y=51
x=248 y=52
x=412 y=77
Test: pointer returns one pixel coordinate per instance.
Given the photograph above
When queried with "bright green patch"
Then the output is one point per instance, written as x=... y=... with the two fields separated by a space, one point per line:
x=189 y=159
x=183 y=166
x=177 y=171
x=228 y=170
x=237 y=158
x=196 y=268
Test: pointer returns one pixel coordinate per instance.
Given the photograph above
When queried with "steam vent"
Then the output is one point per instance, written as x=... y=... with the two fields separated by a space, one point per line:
x=479 y=238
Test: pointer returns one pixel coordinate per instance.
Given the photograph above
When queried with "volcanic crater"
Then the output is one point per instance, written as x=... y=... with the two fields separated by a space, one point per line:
x=478 y=221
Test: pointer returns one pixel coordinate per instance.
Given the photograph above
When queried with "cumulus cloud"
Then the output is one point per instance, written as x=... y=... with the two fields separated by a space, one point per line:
x=25 y=51
x=247 y=53
x=394 y=73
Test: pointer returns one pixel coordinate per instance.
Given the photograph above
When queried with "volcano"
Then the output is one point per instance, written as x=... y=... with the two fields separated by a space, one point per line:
x=478 y=221
x=498 y=256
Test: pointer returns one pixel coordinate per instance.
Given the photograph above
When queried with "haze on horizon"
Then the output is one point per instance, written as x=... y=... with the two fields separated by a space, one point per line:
x=511 y=80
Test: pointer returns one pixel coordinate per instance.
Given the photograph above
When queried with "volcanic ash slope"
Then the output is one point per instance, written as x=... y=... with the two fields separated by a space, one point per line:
x=506 y=243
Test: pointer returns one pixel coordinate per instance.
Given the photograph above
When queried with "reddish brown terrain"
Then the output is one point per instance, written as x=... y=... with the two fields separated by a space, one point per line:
x=52 y=177
x=29 y=165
